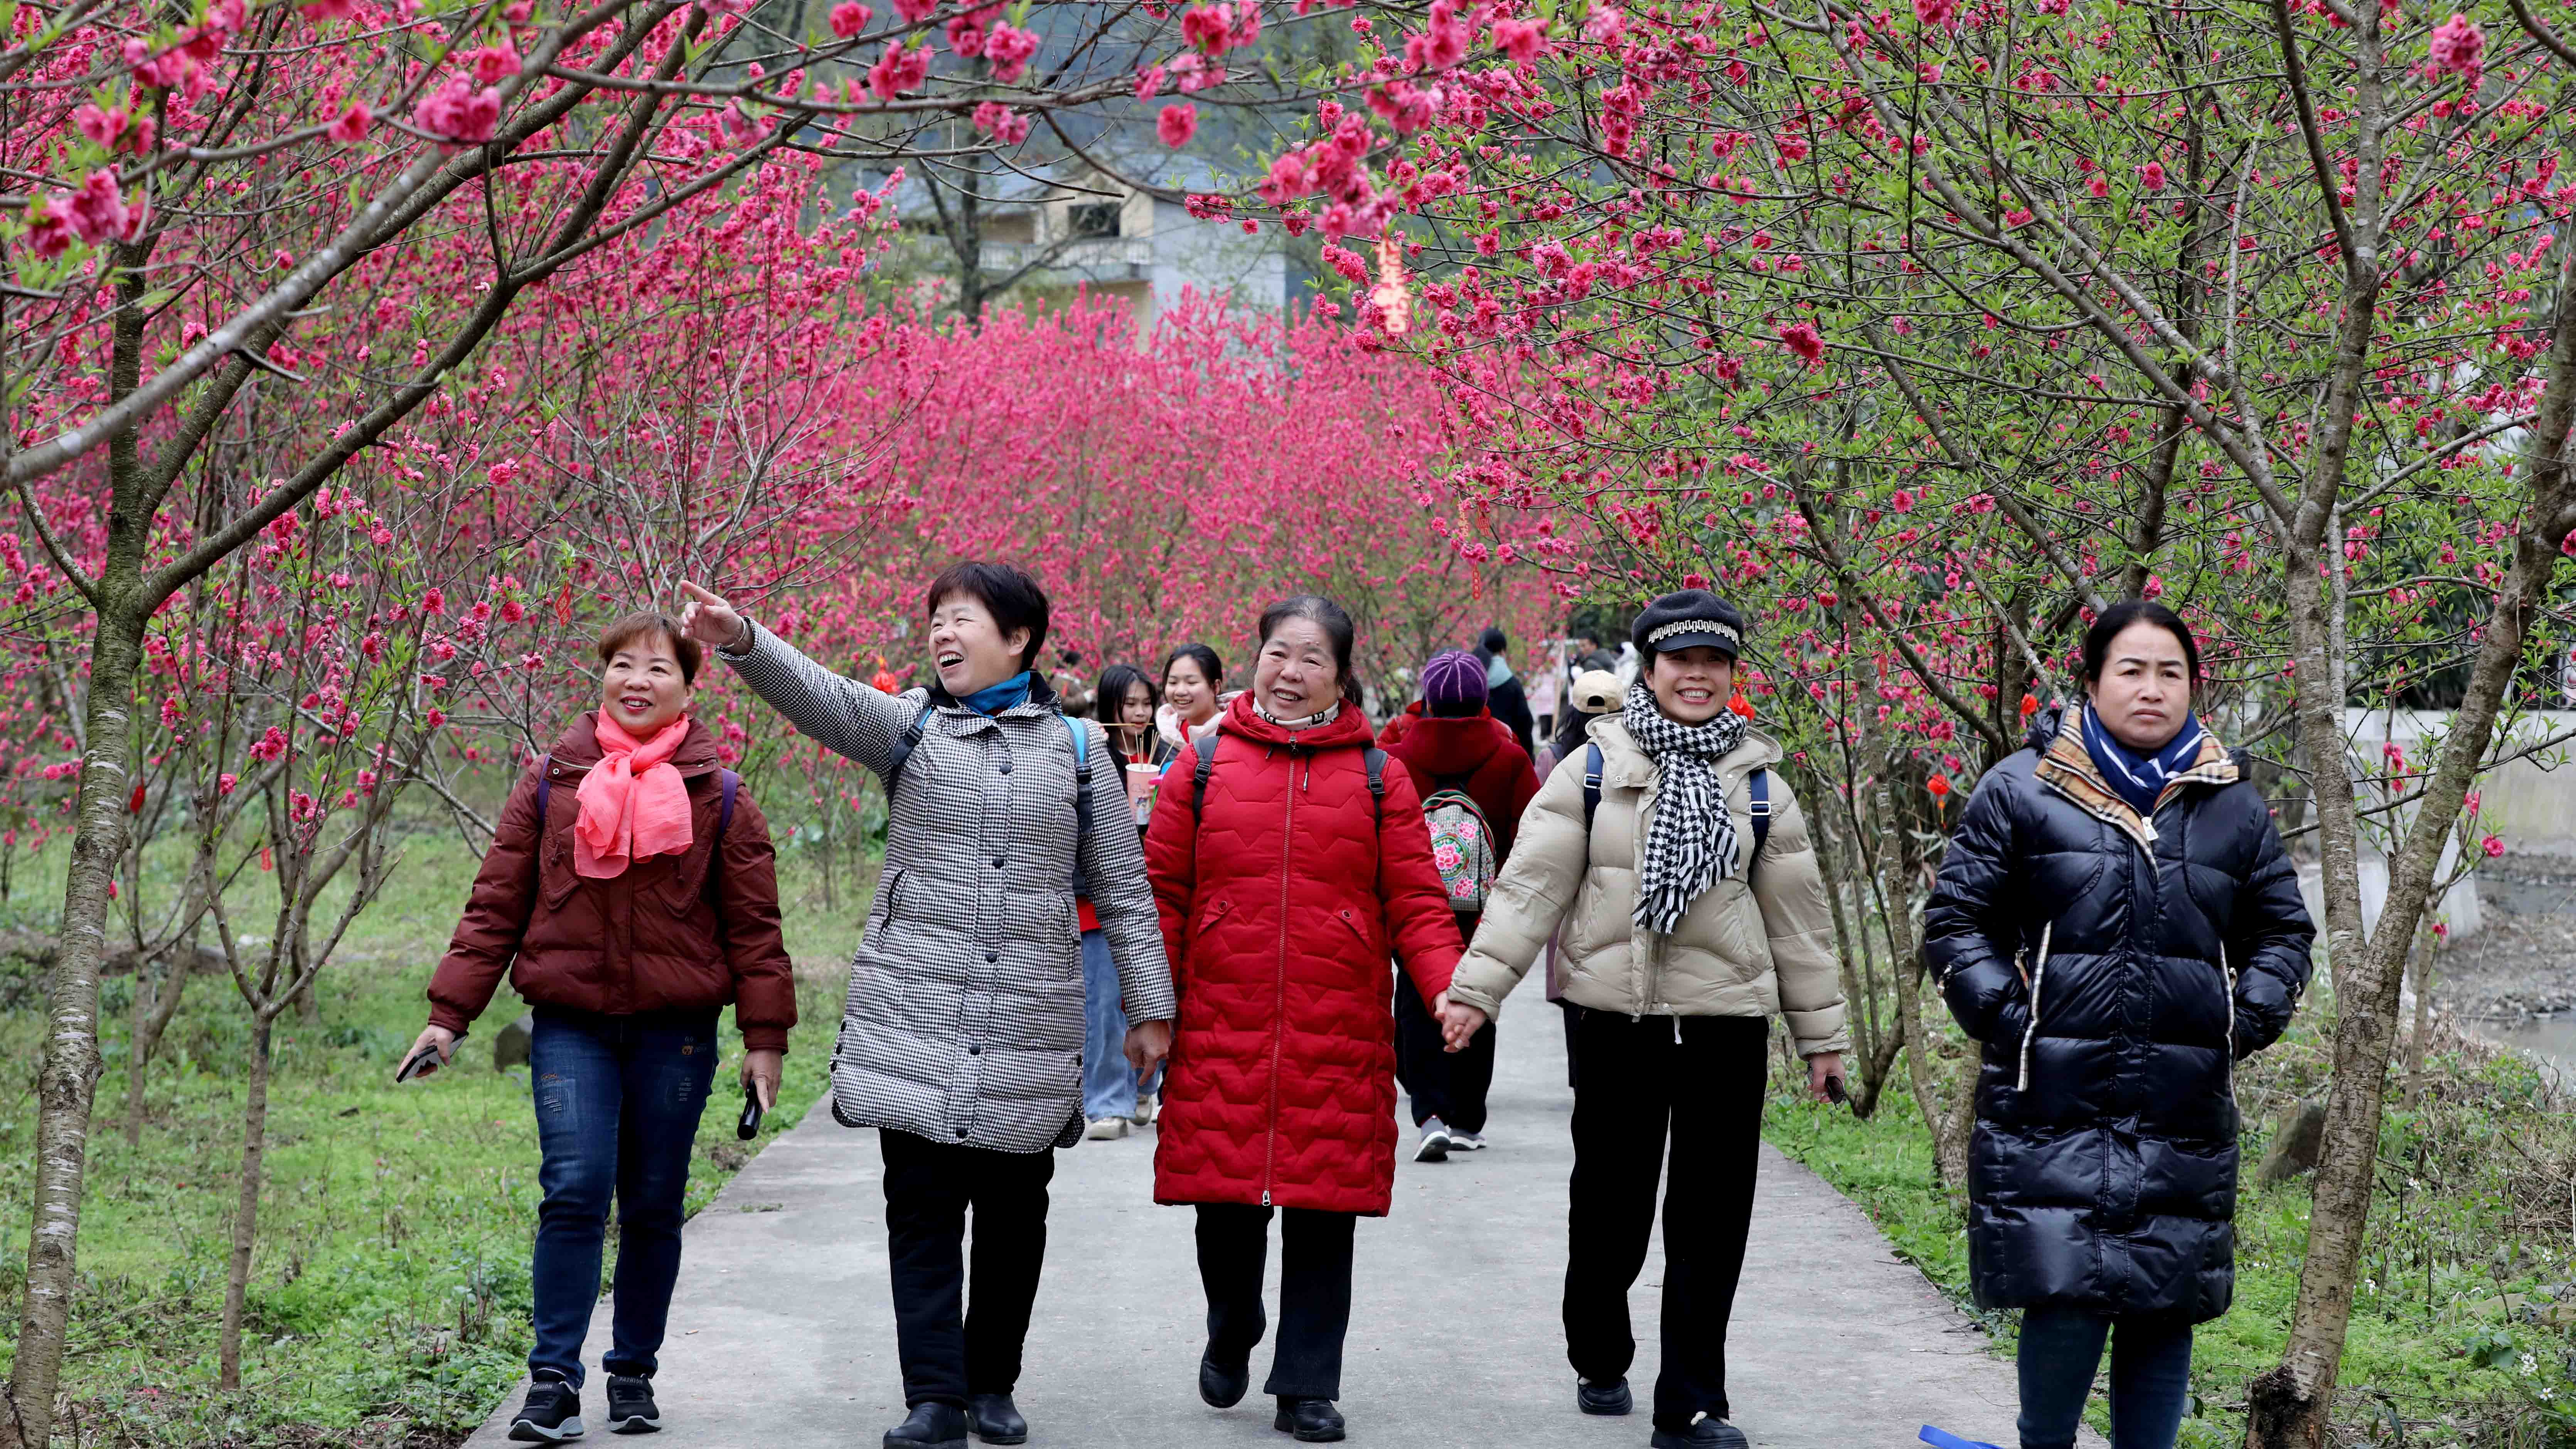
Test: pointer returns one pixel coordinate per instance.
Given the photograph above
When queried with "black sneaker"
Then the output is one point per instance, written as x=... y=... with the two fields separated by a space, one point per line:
x=996 y=1420
x=550 y=1415
x=1309 y=1421
x=1607 y=1399
x=631 y=1409
x=1709 y=1433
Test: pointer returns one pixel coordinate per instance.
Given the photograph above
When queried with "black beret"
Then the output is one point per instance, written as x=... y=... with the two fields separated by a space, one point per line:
x=1688 y=618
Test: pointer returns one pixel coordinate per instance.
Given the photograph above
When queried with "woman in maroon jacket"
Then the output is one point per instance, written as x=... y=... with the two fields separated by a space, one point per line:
x=630 y=893
x=1289 y=859
x=1450 y=740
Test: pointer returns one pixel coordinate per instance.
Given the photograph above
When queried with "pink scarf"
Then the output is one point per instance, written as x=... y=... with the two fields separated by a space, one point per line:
x=633 y=802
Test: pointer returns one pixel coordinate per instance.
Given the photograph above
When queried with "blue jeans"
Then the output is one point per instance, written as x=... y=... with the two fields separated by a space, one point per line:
x=618 y=1100
x=2150 y=1377
x=1108 y=1083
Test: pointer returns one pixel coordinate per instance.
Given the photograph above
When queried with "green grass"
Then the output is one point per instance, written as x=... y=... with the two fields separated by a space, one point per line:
x=2474 y=1188
x=390 y=1295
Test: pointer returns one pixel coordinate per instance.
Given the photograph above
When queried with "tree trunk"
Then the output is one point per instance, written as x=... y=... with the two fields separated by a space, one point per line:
x=1906 y=962
x=2289 y=1407
x=153 y=1011
x=67 y=1084
x=2415 y=1044
x=246 y=1214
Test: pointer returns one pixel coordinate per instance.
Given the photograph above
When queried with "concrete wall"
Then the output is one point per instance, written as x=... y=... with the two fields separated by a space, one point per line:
x=2530 y=803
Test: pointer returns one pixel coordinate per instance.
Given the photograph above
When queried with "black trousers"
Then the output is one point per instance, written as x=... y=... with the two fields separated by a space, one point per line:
x=947 y=1352
x=1440 y=1084
x=1698 y=1080
x=1314 y=1292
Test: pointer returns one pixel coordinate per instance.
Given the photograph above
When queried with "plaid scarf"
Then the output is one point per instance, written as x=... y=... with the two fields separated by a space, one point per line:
x=2139 y=778
x=1691 y=843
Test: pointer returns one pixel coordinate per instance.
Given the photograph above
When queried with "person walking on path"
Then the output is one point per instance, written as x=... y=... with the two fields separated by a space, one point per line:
x=1503 y=694
x=1594 y=693
x=1192 y=677
x=1289 y=860
x=1113 y=1099
x=1474 y=782
x=962 y=1036
x=2116 y=923
x=1693 y=909
x=630 y=893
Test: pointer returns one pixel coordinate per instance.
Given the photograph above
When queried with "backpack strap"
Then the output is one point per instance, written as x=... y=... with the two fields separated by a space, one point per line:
x=730 y=785
x=1592 y=767
x=545 y=796
x=1376 y=761
x=1758 y=786
x=911 y=741
x=1205 y=746
x=1081 y=774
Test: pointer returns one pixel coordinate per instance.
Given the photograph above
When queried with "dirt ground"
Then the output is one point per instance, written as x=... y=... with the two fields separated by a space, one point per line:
x=2523 y=963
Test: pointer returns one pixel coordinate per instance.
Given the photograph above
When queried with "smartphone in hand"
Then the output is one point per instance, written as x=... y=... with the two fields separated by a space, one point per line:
x=422 y=1062
x=749 y=1126
x=1835 y=1093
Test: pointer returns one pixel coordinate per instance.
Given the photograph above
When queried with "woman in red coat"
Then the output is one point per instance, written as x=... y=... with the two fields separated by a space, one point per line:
x=1289 y=860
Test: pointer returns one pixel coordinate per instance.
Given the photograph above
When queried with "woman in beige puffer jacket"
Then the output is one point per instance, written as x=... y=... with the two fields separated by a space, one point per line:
x=1752 y=950
x=1687 y=922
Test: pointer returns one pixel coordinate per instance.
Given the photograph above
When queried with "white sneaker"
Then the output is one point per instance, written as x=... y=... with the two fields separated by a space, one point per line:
x=1466 y=1141
x=1149 y=1105
x=1434 y=1146
x=1106 y=1129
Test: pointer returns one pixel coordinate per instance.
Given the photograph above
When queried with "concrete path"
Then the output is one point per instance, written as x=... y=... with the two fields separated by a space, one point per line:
x=782 y=1337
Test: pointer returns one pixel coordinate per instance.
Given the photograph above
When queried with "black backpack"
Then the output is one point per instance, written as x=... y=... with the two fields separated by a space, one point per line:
x=1756 y=785
x=1205 y=747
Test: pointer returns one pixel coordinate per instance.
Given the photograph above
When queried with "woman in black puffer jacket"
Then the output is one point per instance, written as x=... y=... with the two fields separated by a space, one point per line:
x=2116 y=922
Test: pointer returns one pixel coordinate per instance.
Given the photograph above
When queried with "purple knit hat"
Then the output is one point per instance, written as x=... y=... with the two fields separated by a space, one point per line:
x=1453 y=683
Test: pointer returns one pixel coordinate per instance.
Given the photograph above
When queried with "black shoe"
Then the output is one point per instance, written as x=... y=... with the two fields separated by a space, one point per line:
x=631 y=1409
x=930 y=1426
x=1223 y=1387
x=550 y=1415
x=1309 y=1421
x=1611 y=1398
x=995 y=1419
x=1708 y=1433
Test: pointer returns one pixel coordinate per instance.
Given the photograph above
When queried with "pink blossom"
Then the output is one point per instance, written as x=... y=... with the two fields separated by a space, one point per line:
x=1010 y=49
x=900 y=69
x=1149 y=82
x=49 y=228
x=1176 y=124
x=320 y=10
x=101 y=127
x=915 y=11
x=1001 y=123
x=1287 y=179
x=1208 y=28
x=459 y=112
x=98 y=211
x=2491 y=845
x=493 y=62
x=1804 y=340
x=1520 y=39
x=850 y=17
x=2153 y=175
x=1943 y=14
x=351 y=127
x=2458 y=46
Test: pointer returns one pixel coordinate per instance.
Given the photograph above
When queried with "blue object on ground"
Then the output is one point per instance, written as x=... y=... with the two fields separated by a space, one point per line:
x=1944 y=1439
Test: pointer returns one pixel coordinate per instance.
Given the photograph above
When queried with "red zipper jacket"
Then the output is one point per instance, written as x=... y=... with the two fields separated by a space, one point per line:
x=673 y=933
x=1280 y=906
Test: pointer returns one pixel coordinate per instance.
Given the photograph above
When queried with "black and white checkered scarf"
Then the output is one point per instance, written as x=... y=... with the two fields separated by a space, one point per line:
x=1691 y=843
